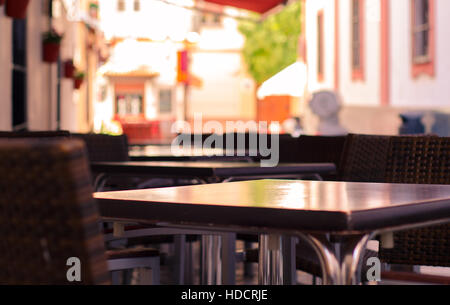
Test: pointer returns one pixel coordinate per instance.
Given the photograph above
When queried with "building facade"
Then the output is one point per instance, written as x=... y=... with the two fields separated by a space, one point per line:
x=147 y=40
x=383 y=57
x=35 y=94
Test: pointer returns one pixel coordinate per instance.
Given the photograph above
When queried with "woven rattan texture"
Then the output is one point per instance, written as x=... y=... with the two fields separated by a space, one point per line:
x=47 y=213
x=105 y=148
x=419 y=160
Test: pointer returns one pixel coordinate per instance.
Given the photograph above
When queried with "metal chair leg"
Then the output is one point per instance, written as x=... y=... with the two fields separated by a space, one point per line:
x=211 y=260
x=270 y=260
x=179 y=262
x=132 y=263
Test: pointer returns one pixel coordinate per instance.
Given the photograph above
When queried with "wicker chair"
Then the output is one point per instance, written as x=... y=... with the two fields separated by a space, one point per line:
x=419 y=160
x=289 y=150
x=47 y=215
x=316 y=149
x=105 y=148
x=359 y=158
x=35 y=134
x=364 y=158
x=322 y=149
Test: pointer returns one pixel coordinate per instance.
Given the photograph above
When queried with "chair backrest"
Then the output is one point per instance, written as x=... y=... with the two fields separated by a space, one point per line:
x=364 y=158
x=419 y=160
x=35 y=134
x=105 y=148
x=289 y=150
x=410 y=160
x=237 y=141
x=47 y=213
x=316 y=149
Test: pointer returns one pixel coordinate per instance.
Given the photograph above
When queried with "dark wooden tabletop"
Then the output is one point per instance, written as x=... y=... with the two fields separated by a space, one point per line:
x=209 y=169
x=284 y=205
x=168 y=153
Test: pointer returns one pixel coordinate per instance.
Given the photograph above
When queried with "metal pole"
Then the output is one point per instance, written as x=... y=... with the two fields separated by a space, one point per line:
x=58 y=95
x=211 y=260
x=270 y=260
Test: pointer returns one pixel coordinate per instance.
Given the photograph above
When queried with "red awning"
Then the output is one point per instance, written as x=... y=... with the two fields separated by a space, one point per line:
x=260 y=6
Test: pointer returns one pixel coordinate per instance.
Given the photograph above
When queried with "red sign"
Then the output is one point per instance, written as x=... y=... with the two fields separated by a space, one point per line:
x=183 y=67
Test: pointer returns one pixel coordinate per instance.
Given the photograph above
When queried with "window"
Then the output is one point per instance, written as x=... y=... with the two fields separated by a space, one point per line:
x=423 y=37
x=129 y=104
x=121 y=5
x=216 y=19
x=165 y=101
x=320 y=47
x=211 y=19
x=137 y=5
x=19 y=75
x=357 y=34
x=129 y=100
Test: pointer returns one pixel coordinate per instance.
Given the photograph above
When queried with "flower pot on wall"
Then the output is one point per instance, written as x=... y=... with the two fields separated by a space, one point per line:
x=77 y=82
x=16 y=8
x=51 y=52
x=78 y=79
x=69 y=69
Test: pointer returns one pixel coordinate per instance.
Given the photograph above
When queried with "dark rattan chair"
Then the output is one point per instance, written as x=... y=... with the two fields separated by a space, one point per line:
x=364 y=158
x=35 y=134
x=404 y=159
x=48 y=215
x=105 y=148
x=316 y=149
x=108 y=148
x=419 y=160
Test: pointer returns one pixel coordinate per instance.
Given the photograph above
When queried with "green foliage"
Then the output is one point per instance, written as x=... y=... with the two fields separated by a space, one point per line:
x=79 y=75
x=272 y=45
x=52 y=37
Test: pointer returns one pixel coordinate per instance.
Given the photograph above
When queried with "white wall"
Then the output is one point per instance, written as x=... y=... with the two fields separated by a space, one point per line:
x=68 y=100
x=151 y=100
x=360 y=92
x=312 y=10
x=423 y=91
x=41 y=103
x=41 y=77
x=5 y=72
x=155 y=20
x=220 y=95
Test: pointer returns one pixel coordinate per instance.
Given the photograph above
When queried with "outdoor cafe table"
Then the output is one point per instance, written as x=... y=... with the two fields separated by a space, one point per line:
x=167 y=153
x=352 y=213
x=205 y=172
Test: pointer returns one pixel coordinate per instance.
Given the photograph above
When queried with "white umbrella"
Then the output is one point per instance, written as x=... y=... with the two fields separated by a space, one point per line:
x=291 y=81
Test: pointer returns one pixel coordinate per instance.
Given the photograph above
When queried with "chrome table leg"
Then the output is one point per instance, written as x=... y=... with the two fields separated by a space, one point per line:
x=289 y=260
x=179 y=255
x=211 y=260
x=341 y=265
x=270 y=267
x=229 y=258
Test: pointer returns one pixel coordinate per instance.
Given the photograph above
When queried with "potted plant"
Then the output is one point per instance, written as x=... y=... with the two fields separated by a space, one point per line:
x=51 y=43
x=69 y=69
x=78 y=79
x=93 y=10
x=16 y=8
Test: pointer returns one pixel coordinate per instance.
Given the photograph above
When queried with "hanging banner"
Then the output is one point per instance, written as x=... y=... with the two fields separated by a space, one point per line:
x=183 y=67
